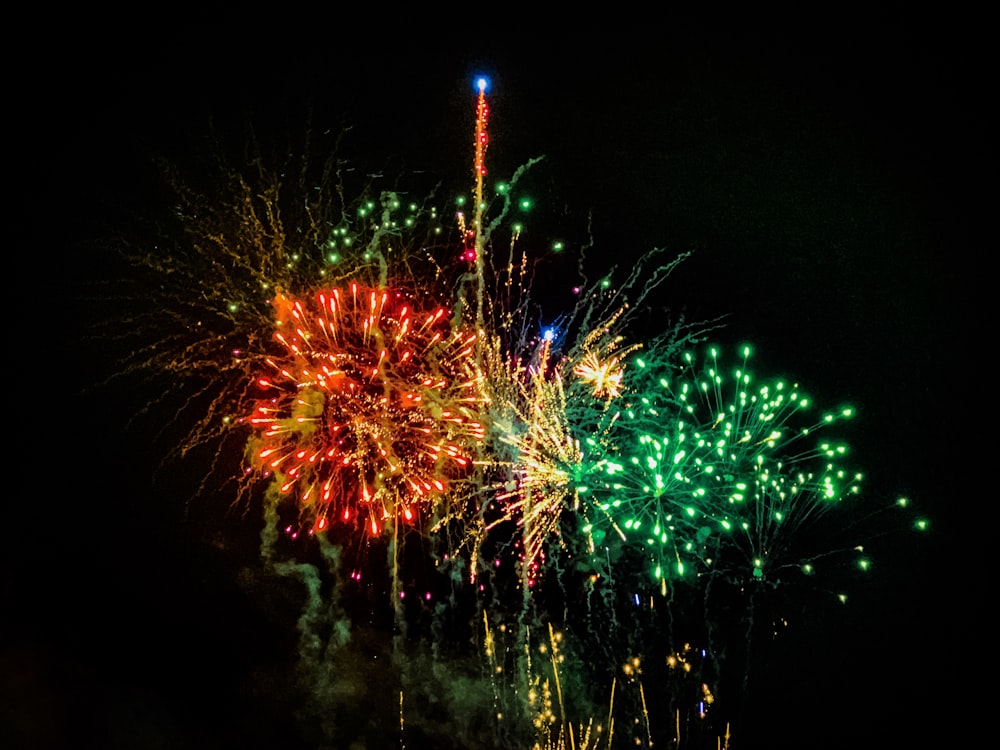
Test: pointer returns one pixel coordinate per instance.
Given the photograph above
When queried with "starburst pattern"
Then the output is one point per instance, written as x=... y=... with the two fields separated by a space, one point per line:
x=708 y=462
x=372 y=407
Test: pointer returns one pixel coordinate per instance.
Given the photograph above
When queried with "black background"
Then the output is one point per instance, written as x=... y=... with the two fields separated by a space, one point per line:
x=829 y=174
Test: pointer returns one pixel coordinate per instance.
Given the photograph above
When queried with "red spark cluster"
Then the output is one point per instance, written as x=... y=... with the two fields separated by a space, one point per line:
x=372 y=408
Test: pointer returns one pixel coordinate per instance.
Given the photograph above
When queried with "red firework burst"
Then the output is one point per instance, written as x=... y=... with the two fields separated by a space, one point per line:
x=372 y=410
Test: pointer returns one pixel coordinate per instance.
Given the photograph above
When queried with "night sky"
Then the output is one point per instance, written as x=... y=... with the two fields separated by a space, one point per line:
x=828 y=180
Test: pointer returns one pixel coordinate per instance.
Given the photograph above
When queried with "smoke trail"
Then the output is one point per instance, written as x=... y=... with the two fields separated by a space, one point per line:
x=324 y=628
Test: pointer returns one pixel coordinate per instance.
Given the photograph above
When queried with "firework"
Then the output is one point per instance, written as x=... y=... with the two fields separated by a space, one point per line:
x=379 y=368
x=371 y=410
x=198 y=301
x=708 y=468
x=552 y=388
